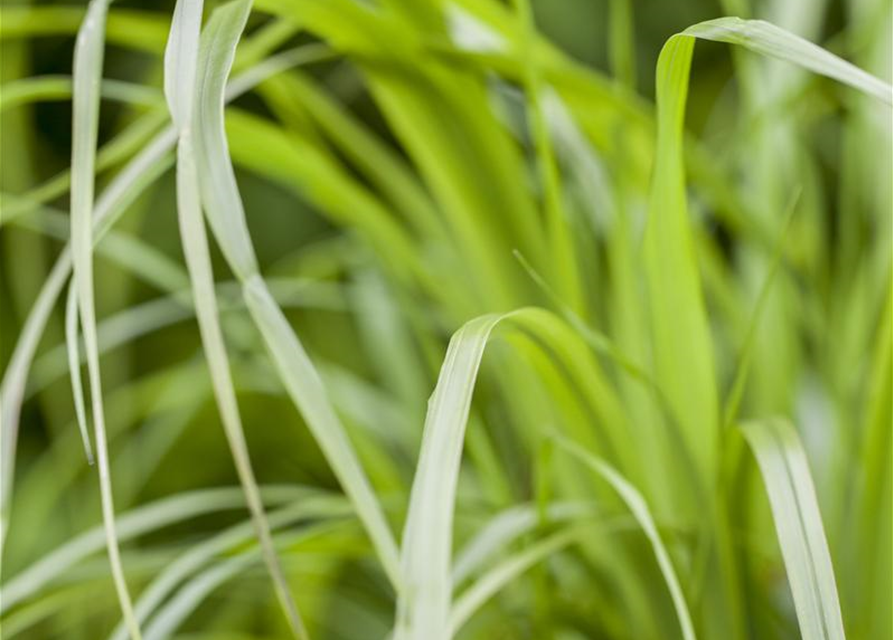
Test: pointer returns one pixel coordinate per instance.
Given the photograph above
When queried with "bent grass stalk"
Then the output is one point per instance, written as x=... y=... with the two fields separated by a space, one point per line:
x=223 y=207
x=181 y=62
x=423 y=609
x=87 y=74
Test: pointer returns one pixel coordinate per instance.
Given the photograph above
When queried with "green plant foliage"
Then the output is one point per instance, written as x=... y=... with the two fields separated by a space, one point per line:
x=646 y=288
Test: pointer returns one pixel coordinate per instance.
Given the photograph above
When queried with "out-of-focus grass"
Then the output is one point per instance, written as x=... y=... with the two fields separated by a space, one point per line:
x=411 y=170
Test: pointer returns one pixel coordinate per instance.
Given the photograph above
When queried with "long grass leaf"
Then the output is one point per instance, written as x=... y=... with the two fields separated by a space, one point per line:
x=224 y=209
x=181 y=61
x=798 y=524
x=769 y=40
x=164 y=311
x=639 y=508
x=217 y=179
x=424 y=606
x=121 y=192
x=88 y=59
x=682 y=342
x=305 y=387
x=682 y=346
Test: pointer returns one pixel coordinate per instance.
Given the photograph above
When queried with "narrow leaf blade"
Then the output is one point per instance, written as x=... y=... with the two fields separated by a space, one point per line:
x=798 y=524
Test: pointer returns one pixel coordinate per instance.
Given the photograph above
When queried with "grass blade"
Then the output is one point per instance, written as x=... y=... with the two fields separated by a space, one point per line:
x=309 y=507
x=423 y=609
x=145 y=519
x=639 y=508
x=217 y=179
x=494 y=580
x=223 y=207
x=508 y=526
x=74 y=368
x=682 y=347
x=88 y=59
x=798 y=524
x=769 y=40
x=305 y=387
x=121 y=192
x=181 y=60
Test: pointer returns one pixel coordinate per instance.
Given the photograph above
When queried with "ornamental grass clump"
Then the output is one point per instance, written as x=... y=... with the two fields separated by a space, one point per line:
x=654 y=336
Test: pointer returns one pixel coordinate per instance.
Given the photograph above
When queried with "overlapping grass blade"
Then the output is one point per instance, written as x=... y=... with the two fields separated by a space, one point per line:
x=217 y=180
x=683 y=356
x=682 y=342
x=311 y=507
x=145 y=519
x=223 y=206
x=798 y=524
x=88 y=59
x=175 y=612
x=497 y=578
x=181 y=60
x=639 y=508
x=423 y=608
x=505 y=528
x=164 y=311
x=133 y=180
x=304 y=386
x=74 y=368
x=767 y=39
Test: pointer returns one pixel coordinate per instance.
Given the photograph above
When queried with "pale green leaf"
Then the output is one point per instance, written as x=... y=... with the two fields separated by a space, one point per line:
x=769 y=40
x=88 y=59
x=181 y=60
x=424 y=605
x=223 y=206
x=798 y=524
